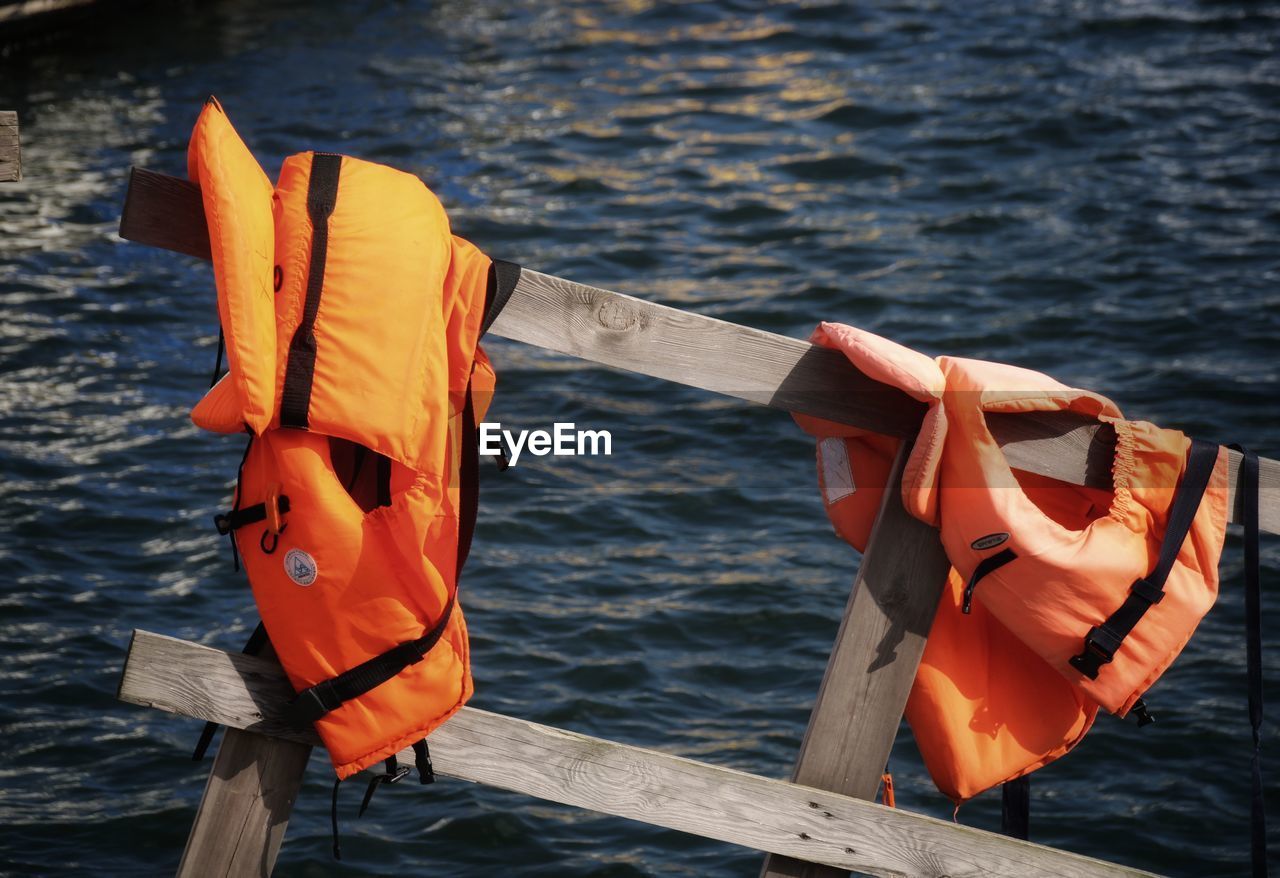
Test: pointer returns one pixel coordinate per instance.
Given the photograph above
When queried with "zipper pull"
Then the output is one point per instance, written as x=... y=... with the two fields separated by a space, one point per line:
x=985 y=566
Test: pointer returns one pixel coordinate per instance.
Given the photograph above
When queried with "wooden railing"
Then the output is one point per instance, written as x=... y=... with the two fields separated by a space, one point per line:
x=822 y=823
x=698 y=351
x=248 y=692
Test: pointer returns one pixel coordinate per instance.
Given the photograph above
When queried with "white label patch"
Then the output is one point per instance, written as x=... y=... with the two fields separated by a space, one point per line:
x=837 y=477
x=300 y=566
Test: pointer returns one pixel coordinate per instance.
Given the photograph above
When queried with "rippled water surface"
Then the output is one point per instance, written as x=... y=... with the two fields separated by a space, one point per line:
x=1089 y=189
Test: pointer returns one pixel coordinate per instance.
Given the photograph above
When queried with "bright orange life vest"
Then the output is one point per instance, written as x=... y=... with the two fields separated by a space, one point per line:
x=352 y=318
x=1058 y=602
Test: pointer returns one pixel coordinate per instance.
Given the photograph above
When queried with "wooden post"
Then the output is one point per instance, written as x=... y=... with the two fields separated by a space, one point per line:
x=873 y=662
x=245 y=809
x=10 y=148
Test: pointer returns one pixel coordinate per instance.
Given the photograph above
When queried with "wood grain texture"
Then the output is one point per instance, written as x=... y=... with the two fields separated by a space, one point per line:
x=16 y=13
x=245 y=809
x=158 y=207
x=10 y=148
x=573 y=769
x=628 y=333
x=873 y=663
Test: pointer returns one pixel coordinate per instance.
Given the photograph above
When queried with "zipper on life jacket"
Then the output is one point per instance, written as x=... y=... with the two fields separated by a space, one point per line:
x=985 y=566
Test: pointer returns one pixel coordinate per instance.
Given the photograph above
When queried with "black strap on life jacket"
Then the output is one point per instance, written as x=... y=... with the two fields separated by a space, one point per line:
x=1103 y=641
x=422 y=761
x=392 y=773
x=333 y=819
x=235 y=502
x=1015 y=807
x=217 y=360
x=383 y=480
x=237 y=518
x=322 y=196
x=503 y=277
x=1247 y=489
x=311 y=704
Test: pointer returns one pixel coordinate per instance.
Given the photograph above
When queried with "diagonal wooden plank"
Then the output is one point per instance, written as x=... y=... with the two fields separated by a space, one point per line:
x=23 y=12
x=657 y=788
x=873 y=664
x=699 y=351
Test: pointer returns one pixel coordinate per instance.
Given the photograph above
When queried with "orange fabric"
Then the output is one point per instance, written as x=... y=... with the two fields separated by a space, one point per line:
x=237 y=208
x=897 y=366
x=994 y=697
x=396 y=331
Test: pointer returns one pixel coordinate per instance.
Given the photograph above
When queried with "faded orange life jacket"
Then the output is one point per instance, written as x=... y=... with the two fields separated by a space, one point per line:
x=1023 y=652
x=352 y=318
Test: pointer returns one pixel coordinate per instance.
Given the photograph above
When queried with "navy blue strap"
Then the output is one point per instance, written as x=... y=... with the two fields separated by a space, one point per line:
x=1103 y=641
x=1015 y=808
x=322 y=197
x=1247 y=490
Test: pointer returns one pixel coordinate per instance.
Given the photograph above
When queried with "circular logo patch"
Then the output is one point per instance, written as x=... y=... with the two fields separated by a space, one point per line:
x=990 y=541
x=300 y=566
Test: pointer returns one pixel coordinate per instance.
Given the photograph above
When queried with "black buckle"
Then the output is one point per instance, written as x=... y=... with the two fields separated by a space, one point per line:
x=1100 y=646
x=311 y=704
x=422 y=759
x=223 y=523
x=1150 y=593
x=1142 y=713
x=394 y=772
x=396 y=776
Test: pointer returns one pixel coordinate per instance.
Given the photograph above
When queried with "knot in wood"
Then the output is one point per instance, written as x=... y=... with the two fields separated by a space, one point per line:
x=617 y=316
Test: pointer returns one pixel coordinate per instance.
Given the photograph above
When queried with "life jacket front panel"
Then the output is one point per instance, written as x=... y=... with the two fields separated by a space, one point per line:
x=1069 y=576
x=985 y=708
x=380 y=371
x=341 y=585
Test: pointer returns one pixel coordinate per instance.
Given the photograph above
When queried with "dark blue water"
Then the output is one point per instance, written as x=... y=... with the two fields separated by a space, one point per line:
x=1089 y=189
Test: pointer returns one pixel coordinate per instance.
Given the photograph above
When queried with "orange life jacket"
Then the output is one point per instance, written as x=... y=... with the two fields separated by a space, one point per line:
x=352 y=317
x=1047 y=613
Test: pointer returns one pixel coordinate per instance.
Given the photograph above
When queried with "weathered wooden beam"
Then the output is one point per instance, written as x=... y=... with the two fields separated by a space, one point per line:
x=561 y=766
x=245 y=809
x=628 y=333
x=10 y=148
x=25 y=11
x=873 y=663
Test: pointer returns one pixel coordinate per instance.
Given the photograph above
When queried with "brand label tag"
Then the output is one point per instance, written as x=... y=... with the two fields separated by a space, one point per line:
x=300 y=567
